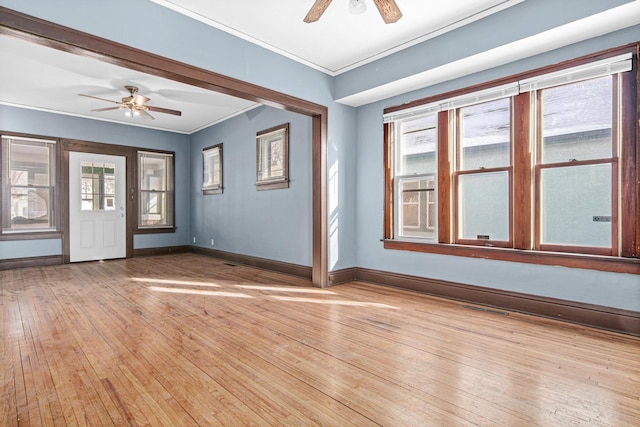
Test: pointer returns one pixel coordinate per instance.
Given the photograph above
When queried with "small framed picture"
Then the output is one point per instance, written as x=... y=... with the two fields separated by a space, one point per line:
x=272 y=158
x=212 y=170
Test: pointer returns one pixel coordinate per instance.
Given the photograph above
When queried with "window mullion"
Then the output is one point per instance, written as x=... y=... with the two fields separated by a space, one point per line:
x=522 y=173
x=444 y=179
x=630 y=165
x=389 y=162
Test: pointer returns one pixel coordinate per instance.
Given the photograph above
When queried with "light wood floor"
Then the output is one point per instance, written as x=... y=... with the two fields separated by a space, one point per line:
x=189 y=340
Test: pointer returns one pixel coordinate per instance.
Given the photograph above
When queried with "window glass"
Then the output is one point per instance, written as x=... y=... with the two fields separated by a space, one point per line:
x=156 y=190
x=418 y=215
x=576 y=205
x=483 y=206
x=272 y=158
x=28 y=176
x=417 y=146
x=98 y=187
x=486 y=135
x=212 y=168
x=577 y=121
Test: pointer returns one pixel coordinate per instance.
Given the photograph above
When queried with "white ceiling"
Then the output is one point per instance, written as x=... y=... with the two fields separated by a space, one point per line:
x=37 y=77
x=42 y=78
x=338 y=41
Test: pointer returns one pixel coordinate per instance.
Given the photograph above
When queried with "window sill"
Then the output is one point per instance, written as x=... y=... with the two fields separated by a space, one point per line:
x=31 y=235
x=272 y=185
x=589 y=262
x=152 y=230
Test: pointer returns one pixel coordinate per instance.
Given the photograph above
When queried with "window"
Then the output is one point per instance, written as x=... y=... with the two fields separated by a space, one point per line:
x=540 y=164
x=272 y=158
x=576 y=167
x=483 y=173
x=98 y=187
x=28 y=185
x=416 y=178
x=156 y=196
x=212 y=170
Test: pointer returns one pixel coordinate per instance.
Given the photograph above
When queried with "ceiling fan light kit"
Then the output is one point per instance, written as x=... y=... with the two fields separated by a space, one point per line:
x=388 y=9
x=134 y=105
x=357 y=7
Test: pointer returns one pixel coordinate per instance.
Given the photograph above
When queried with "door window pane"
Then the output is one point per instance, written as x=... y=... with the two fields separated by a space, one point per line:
x=98 y=186
x=486 y=135
x=483 y=206
x=576 y=205
x=577 y=121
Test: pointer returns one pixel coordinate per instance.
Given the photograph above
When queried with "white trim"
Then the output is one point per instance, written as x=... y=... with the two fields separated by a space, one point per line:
x=23 y=138
x=605 y=67
x=411 y=112
x=486 y=95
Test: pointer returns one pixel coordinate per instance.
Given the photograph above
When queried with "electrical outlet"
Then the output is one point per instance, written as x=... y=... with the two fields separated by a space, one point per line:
x=194 y=239
x=211 y=242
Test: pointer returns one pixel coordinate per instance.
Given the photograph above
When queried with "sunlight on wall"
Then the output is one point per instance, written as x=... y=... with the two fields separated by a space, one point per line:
x=333 y=216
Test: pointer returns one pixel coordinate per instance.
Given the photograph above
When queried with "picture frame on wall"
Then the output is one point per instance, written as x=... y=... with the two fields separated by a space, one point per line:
x=272 y=158
x=212 y=169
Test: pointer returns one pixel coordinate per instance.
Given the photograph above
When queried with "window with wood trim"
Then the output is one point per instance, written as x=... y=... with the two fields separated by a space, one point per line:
x=540 y=164
x=416 y=177
x=29 y=176
x=155 y=188
x=576 y=167
x=482 y=177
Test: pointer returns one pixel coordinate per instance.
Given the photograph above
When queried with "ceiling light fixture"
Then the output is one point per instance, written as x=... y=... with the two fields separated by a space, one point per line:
x=357 y=7
x=131 y=111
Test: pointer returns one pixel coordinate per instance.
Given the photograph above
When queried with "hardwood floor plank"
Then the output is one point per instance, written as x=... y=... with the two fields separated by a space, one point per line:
x=190 y=340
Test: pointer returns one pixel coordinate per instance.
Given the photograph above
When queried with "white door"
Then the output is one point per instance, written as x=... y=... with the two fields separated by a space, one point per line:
x=97 y=207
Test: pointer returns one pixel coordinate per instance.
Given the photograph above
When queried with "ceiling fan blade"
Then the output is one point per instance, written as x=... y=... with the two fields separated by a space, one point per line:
x=101 y=99
x=389 y=10
x=316 y=11
x=163 y=110
x=107 y=109
x=145 y=115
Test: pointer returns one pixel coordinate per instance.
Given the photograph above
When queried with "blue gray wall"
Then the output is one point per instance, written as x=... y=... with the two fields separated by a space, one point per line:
x=272 y=224
x=355 y=134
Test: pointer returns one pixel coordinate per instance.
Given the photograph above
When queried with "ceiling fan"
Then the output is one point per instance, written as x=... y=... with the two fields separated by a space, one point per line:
x=388 y=9
x=134 y=105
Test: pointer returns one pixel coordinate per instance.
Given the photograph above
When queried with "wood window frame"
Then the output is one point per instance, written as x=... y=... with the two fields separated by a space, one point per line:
x=539 y=166
x=462 y=172
x=539 y=245
x=456 y=207
x=524 y=175
x=206 y=153
x=272 y=183
x=138 y=191
x=57 y=212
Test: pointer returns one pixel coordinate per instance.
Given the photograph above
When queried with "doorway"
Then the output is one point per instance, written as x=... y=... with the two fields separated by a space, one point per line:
x=97 y=207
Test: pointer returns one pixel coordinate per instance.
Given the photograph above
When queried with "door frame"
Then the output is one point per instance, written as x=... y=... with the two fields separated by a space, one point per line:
x=129 y=153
